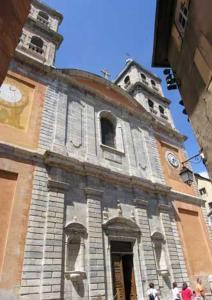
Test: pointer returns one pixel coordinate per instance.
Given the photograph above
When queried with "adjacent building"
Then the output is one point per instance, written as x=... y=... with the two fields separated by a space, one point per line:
x=183 y=38
x=15 y=15
x=92 y=200
x=205 y=189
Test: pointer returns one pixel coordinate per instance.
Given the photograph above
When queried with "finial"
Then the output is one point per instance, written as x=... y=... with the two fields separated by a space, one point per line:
x=119 y=209
x=105 y=73
x=105 y=214
x=133 y=215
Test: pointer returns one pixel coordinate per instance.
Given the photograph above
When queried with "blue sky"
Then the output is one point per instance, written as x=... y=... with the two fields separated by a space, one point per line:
x=102 y=33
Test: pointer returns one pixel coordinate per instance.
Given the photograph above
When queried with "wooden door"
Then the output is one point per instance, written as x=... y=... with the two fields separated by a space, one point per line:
x=129 y=278
x=118 y=278
x=133 y=294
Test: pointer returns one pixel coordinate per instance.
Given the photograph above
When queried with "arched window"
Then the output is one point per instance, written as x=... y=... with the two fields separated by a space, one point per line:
x=43 y=17
x=36 y=44
x=143 y=76
x=161 y=109
x=107 y=132
x=127 y=80
x=153 y=82
x=150 y=103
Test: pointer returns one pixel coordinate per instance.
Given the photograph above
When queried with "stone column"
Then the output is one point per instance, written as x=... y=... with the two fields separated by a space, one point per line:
x=148 y=265
x=96 y=276
x=52 y=274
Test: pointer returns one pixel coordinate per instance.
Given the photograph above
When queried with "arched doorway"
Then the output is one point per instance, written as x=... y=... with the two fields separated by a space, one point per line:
x=122 y=240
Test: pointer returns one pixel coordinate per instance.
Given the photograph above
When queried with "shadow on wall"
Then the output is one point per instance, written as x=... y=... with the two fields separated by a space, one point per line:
x=79 y=287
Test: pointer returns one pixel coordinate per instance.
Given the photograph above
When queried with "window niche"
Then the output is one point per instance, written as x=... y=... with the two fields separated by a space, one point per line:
x=43 y=18
x=159 y=245
x=111 y=137
x=108 y=132
x=126 y=81
x=36 y=44
x=162 y=112
x=75 y=251
x=151 y=106
x=181 y=17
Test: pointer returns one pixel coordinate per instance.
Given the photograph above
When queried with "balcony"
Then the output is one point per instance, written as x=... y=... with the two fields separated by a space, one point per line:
x=42 y=20
x=36 y=48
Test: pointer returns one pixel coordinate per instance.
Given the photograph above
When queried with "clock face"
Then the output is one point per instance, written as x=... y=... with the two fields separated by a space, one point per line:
x=172 y=159
x=10 y=93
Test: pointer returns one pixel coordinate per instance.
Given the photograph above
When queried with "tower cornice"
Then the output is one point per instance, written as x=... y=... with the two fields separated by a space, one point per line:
x=50 y=10
x=38 y=27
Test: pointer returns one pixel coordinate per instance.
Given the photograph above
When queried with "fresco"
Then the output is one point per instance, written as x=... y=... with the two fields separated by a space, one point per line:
x=15 y=103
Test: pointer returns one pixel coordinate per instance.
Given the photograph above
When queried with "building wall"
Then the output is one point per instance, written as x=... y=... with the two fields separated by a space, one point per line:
x=191 y=221
x=194 y=235
x=21 y=105
x=87 y=184
x=15 y=185
x=190 y=56
x=171 y=173
x=20 y=113
x=15 y=16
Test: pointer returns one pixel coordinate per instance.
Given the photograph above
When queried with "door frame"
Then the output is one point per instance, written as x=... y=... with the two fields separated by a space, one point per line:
x=127 y=231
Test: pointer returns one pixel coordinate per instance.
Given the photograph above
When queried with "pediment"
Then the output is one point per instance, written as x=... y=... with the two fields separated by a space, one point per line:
x=122 y=225
x=105 y=89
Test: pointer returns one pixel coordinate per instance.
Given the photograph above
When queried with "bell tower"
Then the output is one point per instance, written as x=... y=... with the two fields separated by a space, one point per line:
x=40 y=38
x=146 y=88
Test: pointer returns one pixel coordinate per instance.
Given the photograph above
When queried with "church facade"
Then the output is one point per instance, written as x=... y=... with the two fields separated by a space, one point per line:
x=94 y=207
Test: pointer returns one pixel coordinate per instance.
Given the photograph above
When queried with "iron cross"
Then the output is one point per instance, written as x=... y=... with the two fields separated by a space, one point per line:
x=105 y=73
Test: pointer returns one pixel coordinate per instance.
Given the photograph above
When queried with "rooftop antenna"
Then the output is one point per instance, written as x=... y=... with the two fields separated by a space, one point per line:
x=105 y=73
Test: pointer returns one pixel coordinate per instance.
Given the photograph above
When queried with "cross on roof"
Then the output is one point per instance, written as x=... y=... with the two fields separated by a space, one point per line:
x=105 y=73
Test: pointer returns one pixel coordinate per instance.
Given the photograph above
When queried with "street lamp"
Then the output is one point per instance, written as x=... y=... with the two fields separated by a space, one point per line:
x=186 y=174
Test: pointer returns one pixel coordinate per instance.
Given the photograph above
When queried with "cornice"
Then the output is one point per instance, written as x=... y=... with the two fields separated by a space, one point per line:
x=57 y=185
x=130 y=63
x=175 y=195
x=20 y=153
x=91 y=192
x=53 y=159
x=147 y=89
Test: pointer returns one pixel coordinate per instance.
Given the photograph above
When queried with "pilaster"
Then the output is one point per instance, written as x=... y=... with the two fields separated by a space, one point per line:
x=95 y=240
x=52 y=273
x=176 y=259
x=148 y=266
x=33 y=254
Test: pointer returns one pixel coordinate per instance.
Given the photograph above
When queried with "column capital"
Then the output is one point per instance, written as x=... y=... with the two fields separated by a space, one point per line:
x=57 y=185
x=141 y=202
x=164 y=207
x=93 y=192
